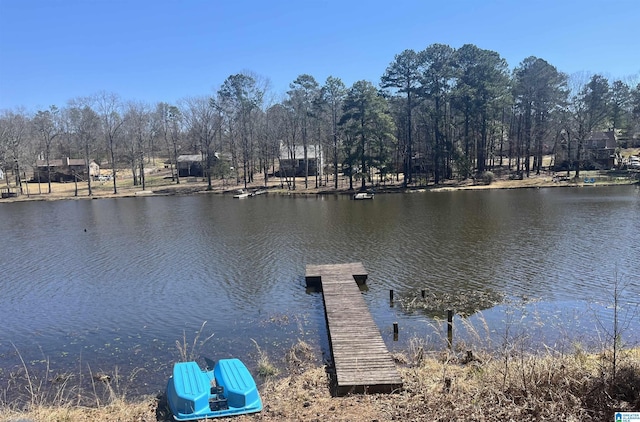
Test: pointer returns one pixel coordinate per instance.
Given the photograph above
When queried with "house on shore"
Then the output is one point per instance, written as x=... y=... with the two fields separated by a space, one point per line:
x=292 y=161
x=194 y=165
x=598 y=151
x=65 y=170
x=600 y=148
x=191 y=165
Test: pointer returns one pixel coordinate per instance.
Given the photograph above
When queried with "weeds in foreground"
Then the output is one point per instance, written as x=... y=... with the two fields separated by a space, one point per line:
x=509 y=379
x=623 y=318
x=265 y=367
x=439 y=384
x=36 y=387
x=299 y=358
x=189 y=352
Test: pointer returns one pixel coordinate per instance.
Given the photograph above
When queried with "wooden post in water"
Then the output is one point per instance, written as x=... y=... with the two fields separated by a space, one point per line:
x=423 y=293
x=391 y=297
x=450 y=327
x=395 y=331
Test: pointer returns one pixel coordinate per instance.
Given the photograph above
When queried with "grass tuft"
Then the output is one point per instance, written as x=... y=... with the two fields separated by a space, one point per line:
x=189 y=352
x=266 y=368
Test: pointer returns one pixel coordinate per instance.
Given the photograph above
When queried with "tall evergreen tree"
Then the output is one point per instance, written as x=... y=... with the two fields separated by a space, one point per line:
x=369 y=129
x=403 y=74
x=482 y=82
x=436 y=79
x=538 y=89
x=333 y=93
x=620 y=107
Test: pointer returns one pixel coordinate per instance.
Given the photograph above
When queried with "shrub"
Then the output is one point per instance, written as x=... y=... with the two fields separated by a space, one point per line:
x=488 y=177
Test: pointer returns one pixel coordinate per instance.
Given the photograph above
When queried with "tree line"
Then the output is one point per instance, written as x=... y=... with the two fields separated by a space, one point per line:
x=436 y=114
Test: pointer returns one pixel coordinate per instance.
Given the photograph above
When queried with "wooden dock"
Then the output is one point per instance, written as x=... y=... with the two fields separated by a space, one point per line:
x=360 y=357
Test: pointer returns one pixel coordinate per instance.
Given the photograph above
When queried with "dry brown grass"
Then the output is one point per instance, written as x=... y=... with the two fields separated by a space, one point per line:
x=118 y=411
x=438 y=386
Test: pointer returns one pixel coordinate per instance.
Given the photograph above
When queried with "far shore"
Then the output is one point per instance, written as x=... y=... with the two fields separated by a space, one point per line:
x=159 y=184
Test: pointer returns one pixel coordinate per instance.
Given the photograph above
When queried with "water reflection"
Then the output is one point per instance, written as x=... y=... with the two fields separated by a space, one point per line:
x=149 y=270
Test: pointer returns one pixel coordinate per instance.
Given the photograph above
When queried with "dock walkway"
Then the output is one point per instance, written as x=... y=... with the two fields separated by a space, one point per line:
x=360 y=357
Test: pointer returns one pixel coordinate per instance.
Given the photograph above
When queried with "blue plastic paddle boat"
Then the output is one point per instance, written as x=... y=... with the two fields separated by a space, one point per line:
x=227 y=390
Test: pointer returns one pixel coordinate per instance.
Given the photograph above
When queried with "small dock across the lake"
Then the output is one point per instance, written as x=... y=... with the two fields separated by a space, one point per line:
x=360 y=357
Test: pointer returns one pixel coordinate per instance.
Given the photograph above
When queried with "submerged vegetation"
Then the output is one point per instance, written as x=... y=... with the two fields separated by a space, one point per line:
x=436 y=303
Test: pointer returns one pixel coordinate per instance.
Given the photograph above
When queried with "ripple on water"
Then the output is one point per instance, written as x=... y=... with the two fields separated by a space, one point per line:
x=147 y=270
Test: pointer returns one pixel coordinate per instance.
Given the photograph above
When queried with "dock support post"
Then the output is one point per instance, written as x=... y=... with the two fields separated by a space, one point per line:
x=395 y=331
x=450 y=327
x=391 y=297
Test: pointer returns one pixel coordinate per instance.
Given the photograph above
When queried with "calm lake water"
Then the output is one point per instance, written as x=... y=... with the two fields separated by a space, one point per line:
x=89 y=285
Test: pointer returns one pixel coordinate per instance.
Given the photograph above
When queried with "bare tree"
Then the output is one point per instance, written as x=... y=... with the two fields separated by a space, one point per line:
x=282 y=135
x=109 y=108
x=169 y=121
x=589 y=109
x=304 y=93
x=46 y=127
x=140 y=131
x=84 y=128
x=14 y=130
x=239 y=98
x=202 y=124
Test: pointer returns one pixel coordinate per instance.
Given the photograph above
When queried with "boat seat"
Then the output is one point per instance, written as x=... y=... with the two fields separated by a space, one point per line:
x=191 y=387
x=240 y=388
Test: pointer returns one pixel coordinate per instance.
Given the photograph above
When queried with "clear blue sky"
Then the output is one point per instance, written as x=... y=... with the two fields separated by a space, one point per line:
x=159 y=50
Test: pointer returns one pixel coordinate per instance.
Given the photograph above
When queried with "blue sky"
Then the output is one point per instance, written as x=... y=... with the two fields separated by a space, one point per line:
x=54 y=50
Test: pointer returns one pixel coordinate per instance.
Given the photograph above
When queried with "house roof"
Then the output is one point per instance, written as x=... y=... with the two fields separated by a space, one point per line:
x=189 y=157
x=195 y=157
x=313 y=151
x=52 y=163
x=63 y=162
x=608 y=137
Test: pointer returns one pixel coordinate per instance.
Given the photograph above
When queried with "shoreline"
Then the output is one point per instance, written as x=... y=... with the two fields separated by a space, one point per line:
x=159 y=187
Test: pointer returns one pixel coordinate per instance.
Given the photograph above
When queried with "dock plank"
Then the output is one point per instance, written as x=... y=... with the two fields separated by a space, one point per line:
x=361 y=359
